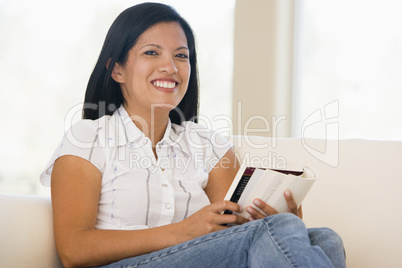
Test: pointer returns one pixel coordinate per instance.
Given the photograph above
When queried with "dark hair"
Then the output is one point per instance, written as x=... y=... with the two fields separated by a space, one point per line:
x=103 y=94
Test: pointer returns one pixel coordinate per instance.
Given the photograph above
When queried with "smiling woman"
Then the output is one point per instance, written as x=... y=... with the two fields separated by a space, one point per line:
x=102 y=202
x=47 y=58
x=156 y=72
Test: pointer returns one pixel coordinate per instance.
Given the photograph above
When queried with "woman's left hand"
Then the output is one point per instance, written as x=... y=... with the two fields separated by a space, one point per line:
x=268 y=210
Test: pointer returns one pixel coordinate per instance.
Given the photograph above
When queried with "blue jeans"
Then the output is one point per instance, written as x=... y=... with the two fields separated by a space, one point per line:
x=280 y=240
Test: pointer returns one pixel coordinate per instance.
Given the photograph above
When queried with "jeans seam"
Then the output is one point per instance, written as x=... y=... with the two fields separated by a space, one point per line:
x=285 y=254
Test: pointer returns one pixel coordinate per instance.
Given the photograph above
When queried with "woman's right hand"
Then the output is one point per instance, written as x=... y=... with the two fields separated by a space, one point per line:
x=210 y=219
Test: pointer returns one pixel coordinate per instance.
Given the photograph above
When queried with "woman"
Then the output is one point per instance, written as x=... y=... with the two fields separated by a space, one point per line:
x=139 y=183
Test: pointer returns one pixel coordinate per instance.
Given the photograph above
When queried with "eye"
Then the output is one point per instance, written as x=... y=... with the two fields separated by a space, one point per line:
x=151 y=53
x=182 y=55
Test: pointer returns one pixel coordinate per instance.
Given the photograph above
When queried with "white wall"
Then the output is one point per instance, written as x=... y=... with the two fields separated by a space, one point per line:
x=263 y=67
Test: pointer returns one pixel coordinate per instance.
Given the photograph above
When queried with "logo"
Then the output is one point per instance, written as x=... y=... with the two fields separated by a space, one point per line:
x=325 y=122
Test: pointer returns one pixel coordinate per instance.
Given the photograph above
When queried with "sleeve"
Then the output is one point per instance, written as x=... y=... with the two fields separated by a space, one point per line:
x=219 y=147
x=81 y=140
x=212 y=143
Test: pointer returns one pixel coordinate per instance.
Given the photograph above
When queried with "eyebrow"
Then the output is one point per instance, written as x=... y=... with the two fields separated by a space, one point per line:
x=158 y=46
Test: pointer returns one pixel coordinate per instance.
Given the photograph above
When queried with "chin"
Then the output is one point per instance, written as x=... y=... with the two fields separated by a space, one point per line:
x=164 y=106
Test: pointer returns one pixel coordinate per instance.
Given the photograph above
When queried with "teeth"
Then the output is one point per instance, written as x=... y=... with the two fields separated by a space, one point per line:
x=165 y=84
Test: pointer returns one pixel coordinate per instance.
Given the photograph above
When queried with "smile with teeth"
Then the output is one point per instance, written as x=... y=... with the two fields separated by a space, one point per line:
x=164 y=84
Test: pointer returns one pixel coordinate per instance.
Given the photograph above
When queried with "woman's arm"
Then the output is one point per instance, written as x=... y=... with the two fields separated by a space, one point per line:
x=222 y=176
x=76 y=186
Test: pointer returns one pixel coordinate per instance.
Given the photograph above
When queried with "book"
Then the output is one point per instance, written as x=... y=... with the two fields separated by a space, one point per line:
x=269 y=185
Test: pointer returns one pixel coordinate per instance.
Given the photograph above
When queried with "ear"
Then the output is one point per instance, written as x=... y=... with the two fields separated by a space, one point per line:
x=116 y=74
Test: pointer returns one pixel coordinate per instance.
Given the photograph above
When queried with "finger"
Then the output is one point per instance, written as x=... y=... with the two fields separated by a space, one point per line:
x=240 y=220
x=292 y=206
x=251 y=218
x=221 y=219
x=264 y=207
x=300 y=212
x=254 y=213
x=221 y=206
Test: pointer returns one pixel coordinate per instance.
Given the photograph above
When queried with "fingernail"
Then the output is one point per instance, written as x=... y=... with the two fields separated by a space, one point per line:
x=250 y=209
x=256 y=202
x=251 y=218
x=287 y=193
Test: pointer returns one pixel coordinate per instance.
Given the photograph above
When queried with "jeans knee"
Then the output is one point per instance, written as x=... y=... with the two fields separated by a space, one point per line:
x=285 y=223
x=284 y=219
x=327 y=239
x=325 y=234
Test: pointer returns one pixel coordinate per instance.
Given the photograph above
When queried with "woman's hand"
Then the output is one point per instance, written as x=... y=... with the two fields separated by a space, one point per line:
x=210 y=219
x=268 y=210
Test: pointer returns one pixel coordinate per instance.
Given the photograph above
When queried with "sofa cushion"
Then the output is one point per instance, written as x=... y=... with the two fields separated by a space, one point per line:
x=26 y=232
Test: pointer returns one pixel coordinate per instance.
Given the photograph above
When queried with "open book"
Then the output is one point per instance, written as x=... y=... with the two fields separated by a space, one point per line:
x=269 y=185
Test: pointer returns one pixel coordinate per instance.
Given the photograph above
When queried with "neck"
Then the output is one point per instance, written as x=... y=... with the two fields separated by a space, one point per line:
x=153 y=125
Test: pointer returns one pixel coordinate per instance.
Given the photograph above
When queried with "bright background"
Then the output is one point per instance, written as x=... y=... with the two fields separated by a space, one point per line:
x=48 y=50
x=348 y=53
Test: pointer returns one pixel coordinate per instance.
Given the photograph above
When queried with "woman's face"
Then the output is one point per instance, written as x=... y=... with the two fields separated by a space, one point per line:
x=157 y=71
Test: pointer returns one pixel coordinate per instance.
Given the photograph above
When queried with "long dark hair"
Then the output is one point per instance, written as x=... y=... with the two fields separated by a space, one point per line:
x=103 y=94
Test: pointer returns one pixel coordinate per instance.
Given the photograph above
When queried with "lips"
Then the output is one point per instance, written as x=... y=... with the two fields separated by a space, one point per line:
x=165 y=84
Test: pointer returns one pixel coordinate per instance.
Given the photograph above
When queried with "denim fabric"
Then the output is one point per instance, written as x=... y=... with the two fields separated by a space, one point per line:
x=280 y=240
x=330 y=242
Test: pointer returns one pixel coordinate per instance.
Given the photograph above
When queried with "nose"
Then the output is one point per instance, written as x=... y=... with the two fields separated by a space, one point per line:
x=168 y=65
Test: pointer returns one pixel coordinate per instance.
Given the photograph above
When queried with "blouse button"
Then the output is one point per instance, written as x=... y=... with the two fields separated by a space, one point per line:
x=168 y=205
x=162 y=169
x=164 y=185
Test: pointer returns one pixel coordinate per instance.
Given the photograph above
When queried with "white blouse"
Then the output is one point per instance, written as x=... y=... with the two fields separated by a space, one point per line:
x=138 y=190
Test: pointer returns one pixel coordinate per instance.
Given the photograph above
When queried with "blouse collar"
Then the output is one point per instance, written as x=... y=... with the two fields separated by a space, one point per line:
x=130 y=134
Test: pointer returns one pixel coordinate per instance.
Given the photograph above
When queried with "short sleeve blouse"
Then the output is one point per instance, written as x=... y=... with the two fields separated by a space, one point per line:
x=138 y=190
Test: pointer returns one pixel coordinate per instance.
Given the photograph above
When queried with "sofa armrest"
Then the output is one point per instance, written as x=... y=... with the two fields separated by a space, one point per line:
x=26 y=232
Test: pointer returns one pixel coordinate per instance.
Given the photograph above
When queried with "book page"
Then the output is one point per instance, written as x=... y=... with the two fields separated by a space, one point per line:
x=271 y=187
x=300 y=188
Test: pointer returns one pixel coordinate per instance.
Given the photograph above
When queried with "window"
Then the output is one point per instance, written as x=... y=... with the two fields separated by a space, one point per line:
x=350 y=54
x=48 y=50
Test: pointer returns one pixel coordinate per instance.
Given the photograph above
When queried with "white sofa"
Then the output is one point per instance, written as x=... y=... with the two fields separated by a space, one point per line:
x=358 y=194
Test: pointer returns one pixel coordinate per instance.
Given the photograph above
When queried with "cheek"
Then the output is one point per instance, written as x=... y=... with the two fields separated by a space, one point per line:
x=186 y=71
x=140 y=67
